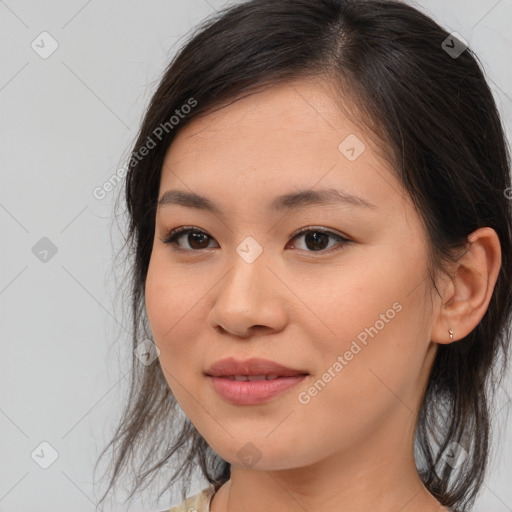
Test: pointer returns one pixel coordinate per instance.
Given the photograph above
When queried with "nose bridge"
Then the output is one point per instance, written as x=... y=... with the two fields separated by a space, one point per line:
x=246 y=277
x=243 y=297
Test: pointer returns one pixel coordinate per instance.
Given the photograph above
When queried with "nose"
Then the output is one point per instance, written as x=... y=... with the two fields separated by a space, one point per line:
x=249 y=298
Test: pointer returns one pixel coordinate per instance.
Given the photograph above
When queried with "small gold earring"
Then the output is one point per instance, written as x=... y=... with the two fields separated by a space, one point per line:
x=451 y=334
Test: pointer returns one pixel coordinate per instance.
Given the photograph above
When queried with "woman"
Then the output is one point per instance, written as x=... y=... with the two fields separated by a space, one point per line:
x=322 y=247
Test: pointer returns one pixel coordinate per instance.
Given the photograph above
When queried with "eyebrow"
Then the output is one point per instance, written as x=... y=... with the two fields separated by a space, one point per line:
x=290 y=201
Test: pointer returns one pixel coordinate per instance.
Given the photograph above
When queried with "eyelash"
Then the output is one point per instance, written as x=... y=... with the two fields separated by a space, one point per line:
x=171 y=236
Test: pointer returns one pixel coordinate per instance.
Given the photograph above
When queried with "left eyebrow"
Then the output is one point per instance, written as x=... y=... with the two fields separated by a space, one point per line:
x=310 y=197
x=289 y=201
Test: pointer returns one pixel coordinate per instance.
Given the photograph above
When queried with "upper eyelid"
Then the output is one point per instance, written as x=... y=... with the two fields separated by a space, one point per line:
x=183 y=229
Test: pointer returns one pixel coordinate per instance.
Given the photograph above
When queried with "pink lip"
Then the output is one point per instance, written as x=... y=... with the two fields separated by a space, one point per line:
x=253 y=392
x=253 y=366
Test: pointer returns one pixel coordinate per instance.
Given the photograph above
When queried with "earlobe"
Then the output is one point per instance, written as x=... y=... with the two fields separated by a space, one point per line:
x=470 y=289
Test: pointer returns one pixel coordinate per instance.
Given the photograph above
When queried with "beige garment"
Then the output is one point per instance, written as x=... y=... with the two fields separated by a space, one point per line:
x=199 y=502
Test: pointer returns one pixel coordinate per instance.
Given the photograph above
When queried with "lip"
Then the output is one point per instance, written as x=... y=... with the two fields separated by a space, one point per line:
x=253 y=392
x=254 y=366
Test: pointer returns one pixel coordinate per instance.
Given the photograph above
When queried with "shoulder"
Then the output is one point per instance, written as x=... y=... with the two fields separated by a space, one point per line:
x=199 y=502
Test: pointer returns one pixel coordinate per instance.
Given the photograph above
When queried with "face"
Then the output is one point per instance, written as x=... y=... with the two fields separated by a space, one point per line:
x=347 y=301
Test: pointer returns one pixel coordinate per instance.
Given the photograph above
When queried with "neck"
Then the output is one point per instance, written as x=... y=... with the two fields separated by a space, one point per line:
x=378 y=475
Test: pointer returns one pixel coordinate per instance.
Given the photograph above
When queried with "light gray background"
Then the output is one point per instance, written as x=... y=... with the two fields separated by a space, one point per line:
x=66 y=123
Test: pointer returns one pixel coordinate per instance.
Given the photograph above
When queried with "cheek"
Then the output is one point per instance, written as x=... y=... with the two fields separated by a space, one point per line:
x=164 y=304
x=156 y=296
x=167 y=295
x=164 y=312
x=369 y=372
x=172 y=300
x=348 y=302
x=373 y=327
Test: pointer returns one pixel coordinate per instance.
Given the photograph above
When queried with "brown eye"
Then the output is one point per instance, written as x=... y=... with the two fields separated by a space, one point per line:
x=317 y=240
x=196 y=239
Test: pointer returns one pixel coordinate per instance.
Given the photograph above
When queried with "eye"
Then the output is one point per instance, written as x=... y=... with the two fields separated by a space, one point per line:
x=196 y=237
x=315 y=238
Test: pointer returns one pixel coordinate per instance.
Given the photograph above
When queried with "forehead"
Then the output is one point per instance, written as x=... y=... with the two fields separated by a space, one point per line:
x=281 y=117
x=291 y=136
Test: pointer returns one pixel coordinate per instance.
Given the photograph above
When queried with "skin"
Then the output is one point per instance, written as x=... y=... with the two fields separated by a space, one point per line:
x=352 y=444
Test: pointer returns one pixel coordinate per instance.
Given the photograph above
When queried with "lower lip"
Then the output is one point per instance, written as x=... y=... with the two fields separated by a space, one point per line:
x=253 y=392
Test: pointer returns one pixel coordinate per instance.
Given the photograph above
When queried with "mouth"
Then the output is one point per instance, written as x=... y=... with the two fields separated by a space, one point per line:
x=252 y=369
x=252 y=381
x=253 y=389
x=252 y=378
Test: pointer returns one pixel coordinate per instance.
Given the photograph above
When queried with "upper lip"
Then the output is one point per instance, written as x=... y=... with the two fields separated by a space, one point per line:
x=254 y=366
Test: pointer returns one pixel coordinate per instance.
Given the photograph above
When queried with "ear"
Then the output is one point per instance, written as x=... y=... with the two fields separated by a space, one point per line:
x=467 y=294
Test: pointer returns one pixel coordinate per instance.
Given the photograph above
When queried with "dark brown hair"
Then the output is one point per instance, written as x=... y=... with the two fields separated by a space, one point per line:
x=434 y=117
